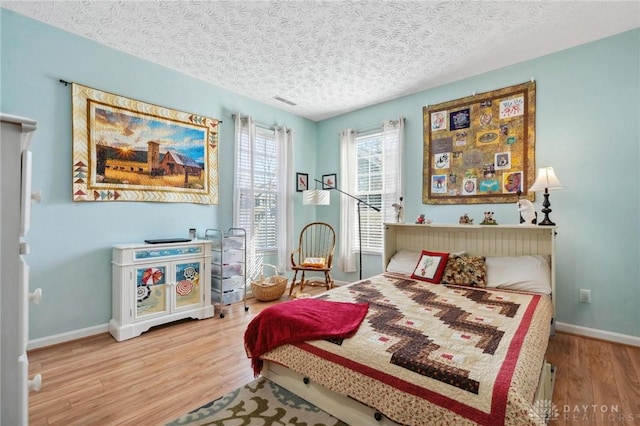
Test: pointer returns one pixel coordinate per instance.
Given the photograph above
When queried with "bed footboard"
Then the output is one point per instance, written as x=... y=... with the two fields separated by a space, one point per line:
x=353 y=412
x=544 y=393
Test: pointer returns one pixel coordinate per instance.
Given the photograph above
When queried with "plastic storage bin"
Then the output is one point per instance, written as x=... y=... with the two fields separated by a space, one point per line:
x=228 y=242
x=227 y=257
x=226 y=270
x=228 y=297
x=229 y=283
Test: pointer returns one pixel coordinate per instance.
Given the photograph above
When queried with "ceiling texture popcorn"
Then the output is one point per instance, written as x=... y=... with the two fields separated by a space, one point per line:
x=331 y=57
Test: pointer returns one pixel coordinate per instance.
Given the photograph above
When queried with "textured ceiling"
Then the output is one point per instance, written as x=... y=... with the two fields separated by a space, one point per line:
x=331 y=57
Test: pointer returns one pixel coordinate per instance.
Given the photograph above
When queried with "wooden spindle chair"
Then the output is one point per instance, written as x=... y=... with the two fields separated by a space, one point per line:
x=314 y=253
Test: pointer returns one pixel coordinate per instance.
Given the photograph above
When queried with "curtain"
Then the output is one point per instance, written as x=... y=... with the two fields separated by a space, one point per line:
x=243 y=212
x=284 y=142
x=348 y=212
x=393 y=159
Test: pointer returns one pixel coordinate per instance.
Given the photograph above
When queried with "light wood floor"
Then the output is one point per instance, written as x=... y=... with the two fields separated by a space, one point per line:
x=170 y=370
x=597 y=382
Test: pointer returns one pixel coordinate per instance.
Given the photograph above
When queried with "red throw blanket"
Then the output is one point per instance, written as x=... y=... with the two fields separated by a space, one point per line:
x=298 y=321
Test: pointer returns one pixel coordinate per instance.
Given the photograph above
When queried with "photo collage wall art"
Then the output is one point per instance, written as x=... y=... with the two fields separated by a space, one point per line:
x=480 y=149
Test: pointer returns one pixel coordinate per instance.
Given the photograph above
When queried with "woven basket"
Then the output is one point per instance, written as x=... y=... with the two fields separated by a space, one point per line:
x=269 y=288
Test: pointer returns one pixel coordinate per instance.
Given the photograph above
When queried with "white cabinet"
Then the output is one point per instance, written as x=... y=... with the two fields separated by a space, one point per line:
x=228 y=266
x=158 y=283
x=15 y=206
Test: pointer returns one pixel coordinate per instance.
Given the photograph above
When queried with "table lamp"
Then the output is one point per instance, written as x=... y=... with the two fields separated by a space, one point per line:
x=545 y=181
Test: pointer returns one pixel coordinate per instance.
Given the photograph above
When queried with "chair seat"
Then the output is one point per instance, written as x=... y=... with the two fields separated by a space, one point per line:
x=310 y=268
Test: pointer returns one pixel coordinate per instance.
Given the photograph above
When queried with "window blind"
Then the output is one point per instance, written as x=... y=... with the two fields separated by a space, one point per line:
x=369 y=177
x=378 y=179
x=256 y=178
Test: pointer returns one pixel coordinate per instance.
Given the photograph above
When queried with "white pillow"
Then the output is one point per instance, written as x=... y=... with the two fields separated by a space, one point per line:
x=522 y=273
x=403 y=262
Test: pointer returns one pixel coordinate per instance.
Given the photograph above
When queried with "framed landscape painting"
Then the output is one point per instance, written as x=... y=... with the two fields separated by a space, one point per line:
x=127 y=150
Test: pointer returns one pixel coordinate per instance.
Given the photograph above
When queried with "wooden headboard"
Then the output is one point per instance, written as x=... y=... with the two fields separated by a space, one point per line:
x=474 y=240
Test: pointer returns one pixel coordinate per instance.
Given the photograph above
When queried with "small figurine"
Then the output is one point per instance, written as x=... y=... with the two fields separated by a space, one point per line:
x=488 y=219
x=465 y=220
x=399 y=211
x=421 y=220
x=528 y=214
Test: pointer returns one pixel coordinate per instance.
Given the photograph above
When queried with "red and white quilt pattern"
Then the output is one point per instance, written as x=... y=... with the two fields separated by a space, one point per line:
x=433 y=354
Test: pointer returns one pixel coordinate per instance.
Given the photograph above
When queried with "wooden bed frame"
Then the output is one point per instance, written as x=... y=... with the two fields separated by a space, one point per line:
x=474 y=240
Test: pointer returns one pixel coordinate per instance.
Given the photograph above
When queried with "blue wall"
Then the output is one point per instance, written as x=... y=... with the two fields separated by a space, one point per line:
x=71 y=242
x=587 y=127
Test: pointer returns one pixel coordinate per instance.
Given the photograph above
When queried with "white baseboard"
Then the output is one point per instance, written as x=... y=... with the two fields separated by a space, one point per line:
x=599 y=334
x=560 y=326
x=66 y=337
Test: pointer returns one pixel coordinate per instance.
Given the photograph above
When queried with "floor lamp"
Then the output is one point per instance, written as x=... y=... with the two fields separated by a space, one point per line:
x=321 y=197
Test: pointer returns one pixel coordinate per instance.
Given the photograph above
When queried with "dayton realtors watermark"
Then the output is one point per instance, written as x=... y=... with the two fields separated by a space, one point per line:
x=596 y=413
x=582 y=413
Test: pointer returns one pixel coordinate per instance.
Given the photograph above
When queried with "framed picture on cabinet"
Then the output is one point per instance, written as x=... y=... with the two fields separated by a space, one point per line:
x=128 y=150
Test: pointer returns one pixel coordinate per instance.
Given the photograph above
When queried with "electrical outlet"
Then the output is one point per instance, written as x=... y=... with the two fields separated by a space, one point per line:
x=585 y=296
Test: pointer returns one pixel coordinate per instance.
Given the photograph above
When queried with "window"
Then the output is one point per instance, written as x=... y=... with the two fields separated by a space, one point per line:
x=262 y=191
x=370 y=165
x=369 y=187
x=257 y=189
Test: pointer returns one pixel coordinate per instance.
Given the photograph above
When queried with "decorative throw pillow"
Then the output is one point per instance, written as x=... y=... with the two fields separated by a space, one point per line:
x=466 y=270
x=430 y=266
x=404 y=261
x=314 y=262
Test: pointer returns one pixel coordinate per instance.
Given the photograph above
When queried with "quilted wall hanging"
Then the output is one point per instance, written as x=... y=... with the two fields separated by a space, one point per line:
x=128 y=150
x=480 y=149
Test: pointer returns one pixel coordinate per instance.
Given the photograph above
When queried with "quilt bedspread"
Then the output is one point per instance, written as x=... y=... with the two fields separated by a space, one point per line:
x=433 y=354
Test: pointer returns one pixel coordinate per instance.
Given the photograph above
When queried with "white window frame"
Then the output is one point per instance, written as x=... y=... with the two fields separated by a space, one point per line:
x=265 y=146
x=253 y=179
x=388 y=189
x=249 y=183
x=369 y=171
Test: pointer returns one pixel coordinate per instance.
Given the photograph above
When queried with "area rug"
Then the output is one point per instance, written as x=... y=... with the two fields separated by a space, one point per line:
x=260 y=402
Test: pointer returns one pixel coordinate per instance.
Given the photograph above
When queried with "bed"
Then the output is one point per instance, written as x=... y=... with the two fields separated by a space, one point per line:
x=429 y=353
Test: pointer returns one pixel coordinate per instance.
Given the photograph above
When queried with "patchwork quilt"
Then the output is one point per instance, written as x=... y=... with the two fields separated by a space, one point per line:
x=433 y=354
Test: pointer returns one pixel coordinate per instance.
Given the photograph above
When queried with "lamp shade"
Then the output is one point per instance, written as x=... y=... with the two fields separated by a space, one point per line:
x=316 y=197
x=546 y=179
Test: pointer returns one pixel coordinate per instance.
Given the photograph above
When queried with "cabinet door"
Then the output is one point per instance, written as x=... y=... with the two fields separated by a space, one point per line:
x=189 y=283
x=151 y=290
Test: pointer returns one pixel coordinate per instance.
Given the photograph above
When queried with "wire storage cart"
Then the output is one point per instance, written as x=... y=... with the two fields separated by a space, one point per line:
x=228 y=267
